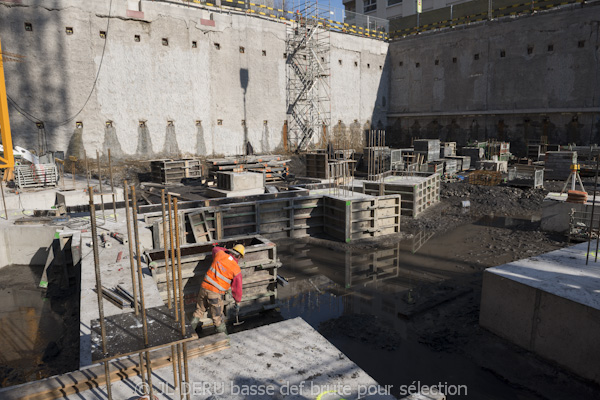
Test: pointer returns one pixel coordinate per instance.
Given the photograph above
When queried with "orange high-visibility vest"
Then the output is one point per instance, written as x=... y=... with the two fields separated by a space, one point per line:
x=219 y=276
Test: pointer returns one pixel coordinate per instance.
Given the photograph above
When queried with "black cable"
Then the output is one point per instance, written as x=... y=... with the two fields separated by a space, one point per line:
x=35 y=120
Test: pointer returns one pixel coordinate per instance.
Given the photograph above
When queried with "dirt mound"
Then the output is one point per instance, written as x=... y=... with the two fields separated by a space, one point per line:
x=483 y=201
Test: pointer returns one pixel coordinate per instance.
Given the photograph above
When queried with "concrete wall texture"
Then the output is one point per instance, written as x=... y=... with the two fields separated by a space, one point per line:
x=169 y=81
x=514 y=79
x=172 y=80
x=554 y=327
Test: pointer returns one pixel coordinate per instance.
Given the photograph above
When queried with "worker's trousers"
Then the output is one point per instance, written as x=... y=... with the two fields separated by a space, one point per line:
x=212 y=301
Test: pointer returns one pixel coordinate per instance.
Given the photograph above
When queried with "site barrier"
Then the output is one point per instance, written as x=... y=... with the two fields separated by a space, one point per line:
x=467 y=13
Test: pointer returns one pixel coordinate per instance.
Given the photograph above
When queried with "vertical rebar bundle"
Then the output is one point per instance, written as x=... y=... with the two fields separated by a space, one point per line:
x=112 y=185
x=99 y=288
x=100 y=180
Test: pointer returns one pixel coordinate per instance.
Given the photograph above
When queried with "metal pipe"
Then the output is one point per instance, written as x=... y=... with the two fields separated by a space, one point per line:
x=131 y=262
x=587 y=257
x=181 y=303
x=112 y=186
x=99 y=288
x=141 y=285
x=101 y=190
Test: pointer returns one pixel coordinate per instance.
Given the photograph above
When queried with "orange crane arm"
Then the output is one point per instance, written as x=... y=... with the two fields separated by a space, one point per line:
x=8 y=159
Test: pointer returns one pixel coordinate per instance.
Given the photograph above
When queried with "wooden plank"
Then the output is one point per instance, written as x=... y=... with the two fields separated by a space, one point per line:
x=200 y=228
x=94 y=377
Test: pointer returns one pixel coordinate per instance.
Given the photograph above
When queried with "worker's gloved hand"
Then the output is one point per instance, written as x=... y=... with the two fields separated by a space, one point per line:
x=236 y=307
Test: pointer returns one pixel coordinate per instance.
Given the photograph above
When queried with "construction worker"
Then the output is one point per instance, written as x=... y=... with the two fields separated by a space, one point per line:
x=224 y=273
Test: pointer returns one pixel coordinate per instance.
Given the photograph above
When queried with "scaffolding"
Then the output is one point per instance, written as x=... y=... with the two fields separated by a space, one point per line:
x=308 y=73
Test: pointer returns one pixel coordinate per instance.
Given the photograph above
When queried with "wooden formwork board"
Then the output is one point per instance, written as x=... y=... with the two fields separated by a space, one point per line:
x=259 y=269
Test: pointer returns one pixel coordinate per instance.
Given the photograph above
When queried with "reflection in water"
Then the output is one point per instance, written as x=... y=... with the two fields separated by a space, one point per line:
x=27 y=323
x=326 y=284
x=362 y=301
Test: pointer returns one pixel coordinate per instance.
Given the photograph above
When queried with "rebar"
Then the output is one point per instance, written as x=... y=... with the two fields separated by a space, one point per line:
x=100 y=180
x=87 y=168
x=174 y=282
x=112 y=185
x=141 y=286
x=166 y=251
x=99 y=288
x=132 y=268
x=172 y=247
x=131 y=262
x=181 y=303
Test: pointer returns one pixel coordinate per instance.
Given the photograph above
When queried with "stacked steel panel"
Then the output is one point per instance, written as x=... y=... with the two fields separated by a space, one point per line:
x=430 y=148
x=274 y=167
x=169 y=171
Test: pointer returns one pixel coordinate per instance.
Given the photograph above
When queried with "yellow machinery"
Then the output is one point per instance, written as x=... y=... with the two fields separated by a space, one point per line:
x=7 y=160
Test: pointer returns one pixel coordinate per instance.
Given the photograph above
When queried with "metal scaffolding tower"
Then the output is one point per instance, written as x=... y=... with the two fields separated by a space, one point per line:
x=308 y=72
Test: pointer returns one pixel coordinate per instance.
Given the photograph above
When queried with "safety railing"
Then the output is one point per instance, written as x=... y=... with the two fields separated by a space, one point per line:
x=331 y=18
x=467 y=13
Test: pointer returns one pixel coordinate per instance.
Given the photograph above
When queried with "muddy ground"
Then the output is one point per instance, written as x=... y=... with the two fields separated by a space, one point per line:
x=446 y=315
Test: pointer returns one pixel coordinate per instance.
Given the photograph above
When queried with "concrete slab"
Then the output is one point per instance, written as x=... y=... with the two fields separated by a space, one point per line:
x=548 y=304
x=562 y=272
x=287 y=359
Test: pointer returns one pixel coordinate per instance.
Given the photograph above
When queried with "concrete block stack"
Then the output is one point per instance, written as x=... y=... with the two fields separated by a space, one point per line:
x=558 y=164
x=430 y=148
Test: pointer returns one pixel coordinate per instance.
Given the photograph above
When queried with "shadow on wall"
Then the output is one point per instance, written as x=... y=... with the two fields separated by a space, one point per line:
x=520 y=131
x=37 y=88
x=380 y=108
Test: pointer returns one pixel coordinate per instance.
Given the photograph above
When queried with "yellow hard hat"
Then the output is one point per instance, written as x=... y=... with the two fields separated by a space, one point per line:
x=240 y=249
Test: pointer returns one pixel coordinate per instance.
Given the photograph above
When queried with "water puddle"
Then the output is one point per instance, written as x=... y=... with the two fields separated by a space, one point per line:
x=363 y=302
x=29 y=326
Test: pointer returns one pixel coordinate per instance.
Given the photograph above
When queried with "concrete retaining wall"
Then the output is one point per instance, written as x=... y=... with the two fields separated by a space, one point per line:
x=513 y=79
x=25 y=245
x=554 y=327
x=163 y=65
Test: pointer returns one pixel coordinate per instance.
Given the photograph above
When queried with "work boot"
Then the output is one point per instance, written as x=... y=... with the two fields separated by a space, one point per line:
x=194 y=323
x=222 y=328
